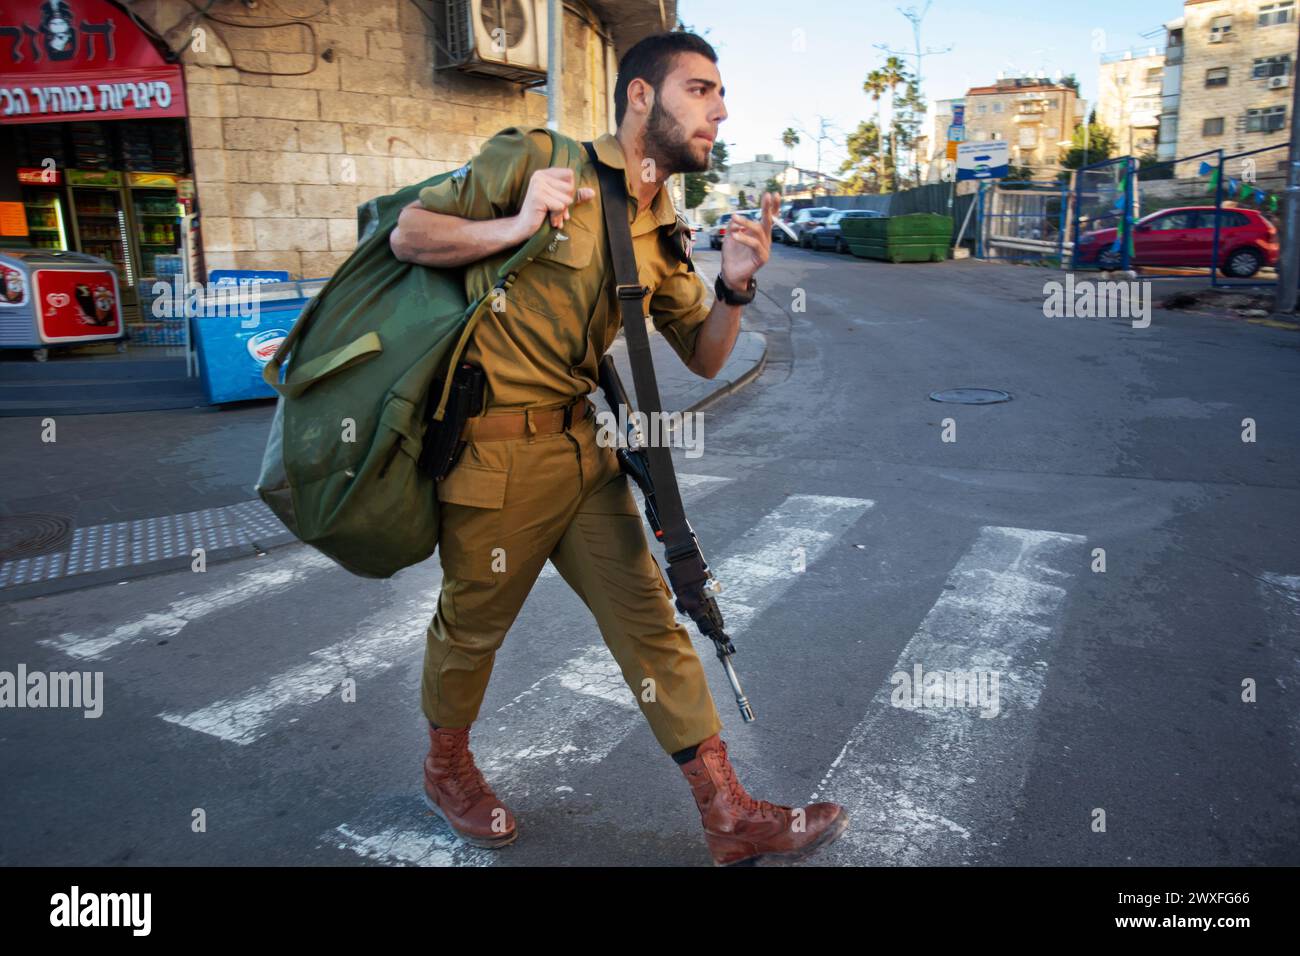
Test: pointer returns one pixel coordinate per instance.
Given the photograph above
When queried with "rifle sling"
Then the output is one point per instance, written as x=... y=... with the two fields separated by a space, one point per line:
x=679 y=541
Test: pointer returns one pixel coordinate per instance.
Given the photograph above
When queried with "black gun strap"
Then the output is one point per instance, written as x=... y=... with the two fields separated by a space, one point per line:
x=678 y=540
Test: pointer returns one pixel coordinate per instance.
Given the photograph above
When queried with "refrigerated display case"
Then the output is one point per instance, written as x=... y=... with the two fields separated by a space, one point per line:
x=155 y=216
x=45 y=208
x=100 y=222
x=47 y=221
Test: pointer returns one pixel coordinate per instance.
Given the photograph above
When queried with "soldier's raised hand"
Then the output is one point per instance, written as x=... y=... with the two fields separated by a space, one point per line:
x=748 y=244
x=550 y=193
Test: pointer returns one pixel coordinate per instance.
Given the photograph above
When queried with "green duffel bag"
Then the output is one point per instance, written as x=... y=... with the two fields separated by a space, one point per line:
x=340 y=466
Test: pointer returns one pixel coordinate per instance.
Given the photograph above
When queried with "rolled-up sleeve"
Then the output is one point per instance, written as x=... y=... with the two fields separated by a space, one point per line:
x=679 y=307
x=493 y=184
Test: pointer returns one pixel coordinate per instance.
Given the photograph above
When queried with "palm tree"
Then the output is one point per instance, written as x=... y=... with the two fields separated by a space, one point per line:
x=875 y=86
x=893 y=74
x=789 y=139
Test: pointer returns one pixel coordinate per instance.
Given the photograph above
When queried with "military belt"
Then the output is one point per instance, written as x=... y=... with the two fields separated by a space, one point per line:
x=500 y=426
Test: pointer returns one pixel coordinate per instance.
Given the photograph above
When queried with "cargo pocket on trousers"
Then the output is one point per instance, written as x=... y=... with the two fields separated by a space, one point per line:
x=472 y=497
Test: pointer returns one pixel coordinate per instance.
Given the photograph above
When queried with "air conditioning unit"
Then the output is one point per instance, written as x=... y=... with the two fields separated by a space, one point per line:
x=501 y=38
x=1279 y=82
x=1216 y=37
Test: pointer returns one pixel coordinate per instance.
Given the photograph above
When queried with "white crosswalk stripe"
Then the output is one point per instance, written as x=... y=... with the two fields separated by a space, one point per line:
x=576 y=715
x=1280 y=594
x=380 y=642
x=931 y=784
x=250 y=587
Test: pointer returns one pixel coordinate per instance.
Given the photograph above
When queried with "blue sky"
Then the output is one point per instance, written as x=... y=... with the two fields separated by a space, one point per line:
x=771 y=86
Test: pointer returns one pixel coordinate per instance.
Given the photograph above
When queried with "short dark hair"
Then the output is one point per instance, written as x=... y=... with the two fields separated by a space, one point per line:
x=651 y=59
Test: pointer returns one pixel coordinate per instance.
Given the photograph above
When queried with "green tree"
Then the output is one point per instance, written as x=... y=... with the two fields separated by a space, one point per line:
x=742 y=200
x=773 y=185
x=697 y=184
x=908 y=110
x=697 y=188
x=720 y=162
x=860 y=172
x=1090 y=144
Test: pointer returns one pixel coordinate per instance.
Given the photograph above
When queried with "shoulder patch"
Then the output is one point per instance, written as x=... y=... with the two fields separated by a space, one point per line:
x=680 y=241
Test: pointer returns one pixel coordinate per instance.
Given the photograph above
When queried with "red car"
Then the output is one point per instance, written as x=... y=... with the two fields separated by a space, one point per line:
x=1184 y=236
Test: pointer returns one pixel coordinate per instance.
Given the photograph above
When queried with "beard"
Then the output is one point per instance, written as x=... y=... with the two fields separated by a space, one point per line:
x=669 y=144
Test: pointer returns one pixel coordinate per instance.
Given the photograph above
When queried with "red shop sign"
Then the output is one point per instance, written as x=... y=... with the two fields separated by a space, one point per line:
x=81 y=60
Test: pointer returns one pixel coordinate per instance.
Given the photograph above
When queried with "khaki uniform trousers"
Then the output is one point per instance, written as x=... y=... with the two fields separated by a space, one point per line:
x=508 y=506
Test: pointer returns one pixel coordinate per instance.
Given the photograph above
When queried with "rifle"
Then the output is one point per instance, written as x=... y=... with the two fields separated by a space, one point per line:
x=694 y=586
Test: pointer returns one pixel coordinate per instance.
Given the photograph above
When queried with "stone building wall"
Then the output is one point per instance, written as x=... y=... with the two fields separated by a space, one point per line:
x=282 y=161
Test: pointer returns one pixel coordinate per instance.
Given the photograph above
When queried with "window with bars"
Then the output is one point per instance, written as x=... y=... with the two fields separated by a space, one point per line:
x=1266 y=120
x=1266 y=66
x=1276 y=14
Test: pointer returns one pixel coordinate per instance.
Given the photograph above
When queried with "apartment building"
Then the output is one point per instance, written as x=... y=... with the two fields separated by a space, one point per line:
x=1236 y=60
x=1036 y=116
x=1129 y=98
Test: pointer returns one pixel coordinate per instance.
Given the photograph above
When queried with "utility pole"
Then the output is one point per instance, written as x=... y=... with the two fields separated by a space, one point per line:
x=820 y=135
x=1288 y=263
x=915 y=18
x=554 y=61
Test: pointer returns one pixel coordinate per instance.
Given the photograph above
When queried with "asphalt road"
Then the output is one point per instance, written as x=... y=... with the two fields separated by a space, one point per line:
x=1117 y=732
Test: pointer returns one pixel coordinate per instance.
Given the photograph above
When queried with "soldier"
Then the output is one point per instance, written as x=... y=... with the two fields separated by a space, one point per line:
x=533 y=483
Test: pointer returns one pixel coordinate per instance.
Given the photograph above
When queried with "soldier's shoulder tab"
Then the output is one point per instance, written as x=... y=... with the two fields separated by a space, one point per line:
x=677 y=235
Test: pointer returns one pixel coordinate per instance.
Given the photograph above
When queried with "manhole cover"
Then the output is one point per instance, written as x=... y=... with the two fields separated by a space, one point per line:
x=25 y=536
x=971 y=396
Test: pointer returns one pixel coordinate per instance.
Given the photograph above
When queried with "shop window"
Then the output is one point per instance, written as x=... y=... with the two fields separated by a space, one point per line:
x=1217 y=76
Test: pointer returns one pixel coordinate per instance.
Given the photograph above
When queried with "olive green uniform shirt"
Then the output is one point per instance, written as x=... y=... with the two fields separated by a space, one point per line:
x=542 y=344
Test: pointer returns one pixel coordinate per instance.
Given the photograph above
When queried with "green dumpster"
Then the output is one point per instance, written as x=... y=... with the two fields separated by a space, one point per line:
x=918 y=237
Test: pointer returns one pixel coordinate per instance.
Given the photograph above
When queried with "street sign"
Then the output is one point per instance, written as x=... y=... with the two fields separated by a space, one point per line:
x=958 y=114
x=952 y=150
x=983 y=160
x=956 y=134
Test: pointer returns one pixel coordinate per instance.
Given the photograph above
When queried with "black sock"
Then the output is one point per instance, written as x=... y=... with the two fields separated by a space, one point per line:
x=687 y=755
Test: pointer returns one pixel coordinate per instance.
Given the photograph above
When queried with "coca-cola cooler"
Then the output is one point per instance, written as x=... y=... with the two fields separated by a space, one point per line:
x=50 y=298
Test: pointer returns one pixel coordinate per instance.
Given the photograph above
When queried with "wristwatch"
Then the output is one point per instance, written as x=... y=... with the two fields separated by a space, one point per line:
x=727 y=295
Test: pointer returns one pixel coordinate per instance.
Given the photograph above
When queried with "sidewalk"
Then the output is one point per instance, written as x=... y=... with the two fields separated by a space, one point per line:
x=123 y=495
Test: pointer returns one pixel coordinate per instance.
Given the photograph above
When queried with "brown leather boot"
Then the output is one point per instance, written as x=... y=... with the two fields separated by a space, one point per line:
x=454 y=789
x=740 y=829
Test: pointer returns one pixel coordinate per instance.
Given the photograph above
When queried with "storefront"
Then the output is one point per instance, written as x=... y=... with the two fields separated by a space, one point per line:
x=94 y=149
